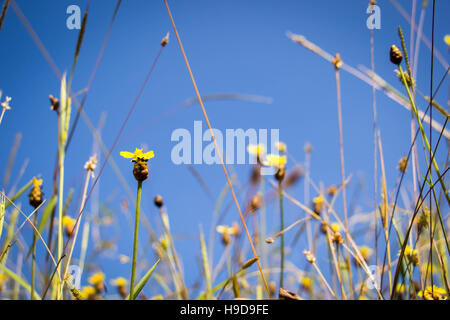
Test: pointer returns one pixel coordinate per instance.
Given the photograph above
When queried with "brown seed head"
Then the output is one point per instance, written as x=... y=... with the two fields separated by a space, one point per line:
x=159 y=201
x=35 y=196
x=165 y=40
x=255 y=205
x=395 y=55
x=54 y=103
x=337 y=61
x=140 y=169
x=403 y=164
x=293 y=176
x=280 y=174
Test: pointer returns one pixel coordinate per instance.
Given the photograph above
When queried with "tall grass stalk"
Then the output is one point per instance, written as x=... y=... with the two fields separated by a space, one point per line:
x=135 y=242
x=280 y=189
x=341 y=151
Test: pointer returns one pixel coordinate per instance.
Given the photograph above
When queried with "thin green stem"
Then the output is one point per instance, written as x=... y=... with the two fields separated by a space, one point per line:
x=136 y=231
x=33 y=261
x=282 y=235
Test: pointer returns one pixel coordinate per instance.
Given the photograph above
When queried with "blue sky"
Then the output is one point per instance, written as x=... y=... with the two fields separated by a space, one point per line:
x=233 y=47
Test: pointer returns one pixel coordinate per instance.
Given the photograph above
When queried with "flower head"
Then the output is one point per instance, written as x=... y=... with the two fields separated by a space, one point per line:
x=36 y=182
x=433 y=293
x=281 y=147
x=257 y=150
x=412 y=255
x=88 y=292
x=306 y=283
x=36 y=195
x=447 y=39
x=395 y=55
x=276 y=161
x=318 y=203
x=140 y=169
x=91 y=164
x=137 y=155
x=227 y=232
x=366 y=252
x=97 y=280
x=68 y=224
x=5 y=104
x=120 y=283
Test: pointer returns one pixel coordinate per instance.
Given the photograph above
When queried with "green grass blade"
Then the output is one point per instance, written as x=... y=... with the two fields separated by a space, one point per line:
x=140 y=285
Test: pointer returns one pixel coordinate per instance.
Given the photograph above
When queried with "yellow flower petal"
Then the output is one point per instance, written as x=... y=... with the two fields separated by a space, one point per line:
x=127 y=154
x=447 y=39
x=148 y=155
x=256 y=149
x=36 y=182
x=275 y=160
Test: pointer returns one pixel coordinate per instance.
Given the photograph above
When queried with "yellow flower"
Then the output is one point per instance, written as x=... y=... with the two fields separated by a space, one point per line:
x=36 y=182
x=412 y=255
x=400 y=287
x=119 y=282
x=257 y=150
x=433 y=294
x=306 y=283
x=274 y=160
x=138 y=154
x=227 y=232
x=335 y=227
x=68 y=221
x=68 y=224
x=318 y=199
x=232 y=231
x=318 y=203
x=97 y=279
x=87 y=292
x=447 y=39
x=281 y=146
x=366 y=252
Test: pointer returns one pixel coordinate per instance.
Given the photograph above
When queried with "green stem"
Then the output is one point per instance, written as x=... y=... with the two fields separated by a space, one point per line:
x=136 y=231
x=60 y=215
x=424 y=136
x=282 y=235
x=33 y=262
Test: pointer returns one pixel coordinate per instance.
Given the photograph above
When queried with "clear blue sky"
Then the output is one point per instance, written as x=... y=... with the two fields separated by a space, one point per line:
x=233 y=47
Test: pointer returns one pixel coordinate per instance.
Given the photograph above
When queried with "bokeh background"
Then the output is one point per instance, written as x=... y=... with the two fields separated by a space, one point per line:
x=236 y=47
